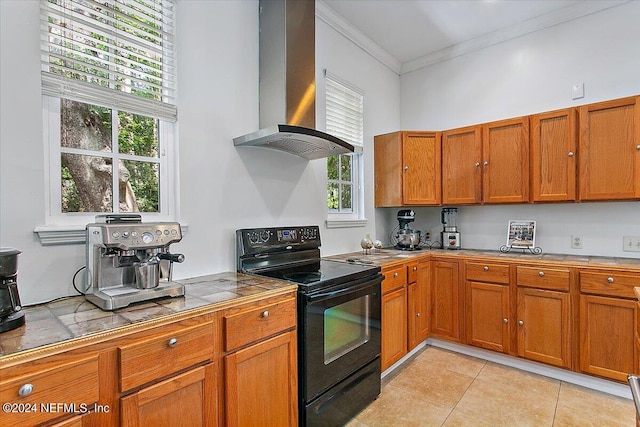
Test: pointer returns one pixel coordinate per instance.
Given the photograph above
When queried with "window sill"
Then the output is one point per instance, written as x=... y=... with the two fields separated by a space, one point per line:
x=345 y=223
x=51 y=235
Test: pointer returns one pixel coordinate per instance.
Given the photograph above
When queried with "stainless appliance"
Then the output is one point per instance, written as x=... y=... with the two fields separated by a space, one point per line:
x=11 y=314
x=287 y=84
x=634 y=385
x=128 y=261
x=450 y=235
x=338 y=320
x=406 y=239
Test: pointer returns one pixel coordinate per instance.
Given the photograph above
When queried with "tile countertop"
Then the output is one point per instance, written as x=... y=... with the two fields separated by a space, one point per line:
x=74 y=317
x=389 y=256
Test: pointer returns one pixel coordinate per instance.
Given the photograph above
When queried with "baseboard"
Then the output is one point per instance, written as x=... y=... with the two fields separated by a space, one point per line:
x=582 y=380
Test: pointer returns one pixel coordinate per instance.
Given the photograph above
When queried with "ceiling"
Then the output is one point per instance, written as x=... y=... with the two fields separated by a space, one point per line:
x=414 y=33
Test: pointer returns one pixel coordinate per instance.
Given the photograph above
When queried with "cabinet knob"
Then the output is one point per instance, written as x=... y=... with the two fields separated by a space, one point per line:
x=486 y=163
x=415 y=268
x=638 y=147
x=25 y=390
x=541 y=273
x=477 y=164
x=395 y=274
x=417 y=314
x=505 y=320
x=521 y=322
x=406 y=168
x=610 y=279
x=571 y=154
x=485 y=268
x=172 y=342
x=265 y=313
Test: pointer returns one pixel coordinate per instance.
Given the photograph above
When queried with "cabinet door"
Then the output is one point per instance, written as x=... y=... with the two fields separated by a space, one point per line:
x=607 y=337
x=421 y=168
x=553 y=156
x=261 y=383
x=387 y=158
x=543 y=326
x=461 y=160
x=394 y=327
x=488 y=316
x=419 y=303
x=610 y=150
x=505 y=161
x=445 y=303
x=187 y=399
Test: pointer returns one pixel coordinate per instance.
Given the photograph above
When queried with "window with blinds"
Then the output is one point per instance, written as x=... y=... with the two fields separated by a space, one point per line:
x=345 y=120
x=108 y=85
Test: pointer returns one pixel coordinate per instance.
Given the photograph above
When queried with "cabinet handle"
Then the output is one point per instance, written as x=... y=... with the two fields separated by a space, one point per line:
x=521 y=322
x=541 y=274
x=638 y=147
x=610 y=279
x=485 y=268
x=505 y=320
x=486 y=163
x=417 y=314
x=25 y=390
x=415 y=268
x=172 y=342
x=571 y=154
x=265 y=313
x=477 y=164
x=395 y=274
x=406 y=168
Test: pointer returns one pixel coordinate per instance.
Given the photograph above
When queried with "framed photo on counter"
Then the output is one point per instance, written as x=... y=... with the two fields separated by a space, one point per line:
x=521 y=234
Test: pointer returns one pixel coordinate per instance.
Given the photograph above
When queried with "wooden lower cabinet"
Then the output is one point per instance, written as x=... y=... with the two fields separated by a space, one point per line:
x=418 y=300
x=487 y=323
x=607 y=337
x=186 y=399
x=445 y=300
x=544 y=326
x=394 y=327
x=261 y=385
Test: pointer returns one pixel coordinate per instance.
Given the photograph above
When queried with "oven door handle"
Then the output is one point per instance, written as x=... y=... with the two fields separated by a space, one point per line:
x=343 y=291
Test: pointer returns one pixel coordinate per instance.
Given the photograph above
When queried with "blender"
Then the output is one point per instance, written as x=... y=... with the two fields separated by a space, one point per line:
x=450 y=235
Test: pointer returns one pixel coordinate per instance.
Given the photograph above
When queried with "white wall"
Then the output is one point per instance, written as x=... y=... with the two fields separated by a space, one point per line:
x=530 y=74
x=221 y=188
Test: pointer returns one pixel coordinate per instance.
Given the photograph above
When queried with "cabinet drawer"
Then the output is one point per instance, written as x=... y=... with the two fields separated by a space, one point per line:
x=252 y=325
x=488 y=272
x=74 y=383
x=161 y=355
x=611 y=283
x=412 y=272
x=394 y=278
x=555 y=279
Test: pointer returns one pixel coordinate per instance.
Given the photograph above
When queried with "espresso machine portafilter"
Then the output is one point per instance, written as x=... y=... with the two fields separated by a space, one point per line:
x=128 y=261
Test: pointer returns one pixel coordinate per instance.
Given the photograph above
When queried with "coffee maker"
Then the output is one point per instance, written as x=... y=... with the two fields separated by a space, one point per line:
x=128 y=261
x=450 y=235
x=11 y=314
x=406 y=238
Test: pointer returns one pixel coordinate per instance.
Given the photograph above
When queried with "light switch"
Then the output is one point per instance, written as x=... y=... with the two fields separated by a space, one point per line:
x=577 y=91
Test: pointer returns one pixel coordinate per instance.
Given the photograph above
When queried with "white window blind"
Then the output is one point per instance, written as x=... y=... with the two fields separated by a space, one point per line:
x=115 y=53
x=345 y=111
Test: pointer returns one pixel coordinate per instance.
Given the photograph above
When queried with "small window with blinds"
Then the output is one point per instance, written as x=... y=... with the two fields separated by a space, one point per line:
x=108 y=84
x=345 y=120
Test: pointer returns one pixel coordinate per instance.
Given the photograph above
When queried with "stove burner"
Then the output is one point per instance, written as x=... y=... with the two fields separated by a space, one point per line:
x=304 y=277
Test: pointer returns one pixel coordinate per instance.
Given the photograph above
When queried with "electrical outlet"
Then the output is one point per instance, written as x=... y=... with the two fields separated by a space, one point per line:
x=427 y=235
x=576 y=242
x=631 y=244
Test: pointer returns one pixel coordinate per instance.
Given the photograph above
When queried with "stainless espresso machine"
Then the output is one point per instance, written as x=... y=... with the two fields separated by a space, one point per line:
x=450 y=234
x=128 y=261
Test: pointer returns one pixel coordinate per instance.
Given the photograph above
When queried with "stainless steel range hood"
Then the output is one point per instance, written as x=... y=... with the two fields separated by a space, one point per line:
x=287 y=84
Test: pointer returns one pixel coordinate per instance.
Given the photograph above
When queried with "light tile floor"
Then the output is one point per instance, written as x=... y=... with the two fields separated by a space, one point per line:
x=442 y=388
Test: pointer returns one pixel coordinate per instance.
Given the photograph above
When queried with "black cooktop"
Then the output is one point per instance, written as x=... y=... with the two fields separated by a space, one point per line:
x=321 y=274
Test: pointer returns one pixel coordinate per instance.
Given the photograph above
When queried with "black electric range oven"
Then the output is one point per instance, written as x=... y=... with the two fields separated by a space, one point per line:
x=338 y=320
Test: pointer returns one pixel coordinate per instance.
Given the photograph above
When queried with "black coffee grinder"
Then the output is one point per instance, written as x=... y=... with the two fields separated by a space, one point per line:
x=11 y=314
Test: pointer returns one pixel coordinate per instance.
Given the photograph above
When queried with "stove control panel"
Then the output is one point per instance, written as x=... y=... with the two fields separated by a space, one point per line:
x=255 y=240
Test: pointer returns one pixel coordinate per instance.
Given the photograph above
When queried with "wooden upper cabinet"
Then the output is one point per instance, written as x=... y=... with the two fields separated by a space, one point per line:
x=609 y=148
x=505 y=161
x=461 y=160
x=553 y=156
x=407 y=169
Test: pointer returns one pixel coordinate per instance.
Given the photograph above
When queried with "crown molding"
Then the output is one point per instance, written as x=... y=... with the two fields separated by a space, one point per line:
x=342 y=26
x=541 y=22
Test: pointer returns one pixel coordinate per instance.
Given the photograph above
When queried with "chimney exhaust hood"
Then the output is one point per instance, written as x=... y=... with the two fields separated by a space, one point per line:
x=287 y=84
